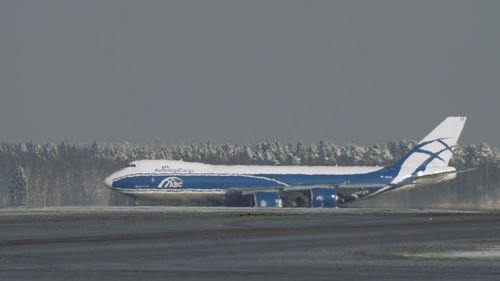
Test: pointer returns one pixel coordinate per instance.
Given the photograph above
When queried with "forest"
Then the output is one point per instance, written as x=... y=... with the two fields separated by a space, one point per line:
x=67 y=174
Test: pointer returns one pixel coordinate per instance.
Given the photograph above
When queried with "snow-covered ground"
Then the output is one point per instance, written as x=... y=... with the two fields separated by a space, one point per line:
x=485 y=253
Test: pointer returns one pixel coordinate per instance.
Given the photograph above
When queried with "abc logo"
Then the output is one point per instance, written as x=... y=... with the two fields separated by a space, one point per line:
x=171 y=182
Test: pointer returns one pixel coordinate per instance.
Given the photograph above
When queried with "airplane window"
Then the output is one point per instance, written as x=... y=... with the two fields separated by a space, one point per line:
x=131 y=165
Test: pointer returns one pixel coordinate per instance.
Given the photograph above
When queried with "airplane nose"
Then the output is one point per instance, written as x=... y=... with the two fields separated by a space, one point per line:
x=109 y=181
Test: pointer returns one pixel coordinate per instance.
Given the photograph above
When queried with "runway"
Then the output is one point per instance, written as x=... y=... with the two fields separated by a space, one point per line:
x=179 y=243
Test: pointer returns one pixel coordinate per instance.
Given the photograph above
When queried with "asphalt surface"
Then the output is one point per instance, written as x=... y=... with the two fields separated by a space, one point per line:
x=165 y=243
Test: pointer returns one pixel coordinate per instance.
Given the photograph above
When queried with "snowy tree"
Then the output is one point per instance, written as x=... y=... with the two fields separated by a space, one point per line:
x=301 y=153
x=374 y=156
x=351 y=154
x=471 y=155
x=458 y=158
x=279 y=153
x=497 y=157
x=485 y=153
x=246 y=155
x=312 y=155
x=18 y=188
x=323 y=152
x=332 y=154
x=291 y=157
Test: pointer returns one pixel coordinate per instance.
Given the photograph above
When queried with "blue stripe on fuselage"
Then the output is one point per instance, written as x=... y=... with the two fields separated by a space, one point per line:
x=224 y=181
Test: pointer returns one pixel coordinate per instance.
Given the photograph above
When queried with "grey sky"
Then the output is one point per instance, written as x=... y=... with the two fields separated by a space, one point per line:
x=246 y=71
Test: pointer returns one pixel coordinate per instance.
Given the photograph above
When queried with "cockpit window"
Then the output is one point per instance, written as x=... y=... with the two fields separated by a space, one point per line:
x=132 y=165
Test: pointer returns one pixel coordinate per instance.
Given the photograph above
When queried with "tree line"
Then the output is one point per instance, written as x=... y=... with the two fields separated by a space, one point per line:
x=72 y=174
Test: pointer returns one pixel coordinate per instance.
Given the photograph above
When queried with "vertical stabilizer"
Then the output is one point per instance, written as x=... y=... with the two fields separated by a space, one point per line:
x=434 y=151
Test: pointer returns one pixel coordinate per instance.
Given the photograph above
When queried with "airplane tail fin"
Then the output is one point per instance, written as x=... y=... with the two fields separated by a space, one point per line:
x=432 y=152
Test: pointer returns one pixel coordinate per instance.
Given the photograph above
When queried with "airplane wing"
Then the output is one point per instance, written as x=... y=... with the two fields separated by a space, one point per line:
x=336 y=186
x=249 y=191
x=467 y=170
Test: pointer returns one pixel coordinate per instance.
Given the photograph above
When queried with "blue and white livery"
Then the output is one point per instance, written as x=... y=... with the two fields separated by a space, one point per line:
x=426 y=163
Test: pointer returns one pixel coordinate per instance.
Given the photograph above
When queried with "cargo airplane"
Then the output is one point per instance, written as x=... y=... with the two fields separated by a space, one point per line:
x=426 y=163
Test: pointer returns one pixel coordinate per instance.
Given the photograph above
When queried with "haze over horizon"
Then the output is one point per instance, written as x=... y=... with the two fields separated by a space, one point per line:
x=244 y=72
